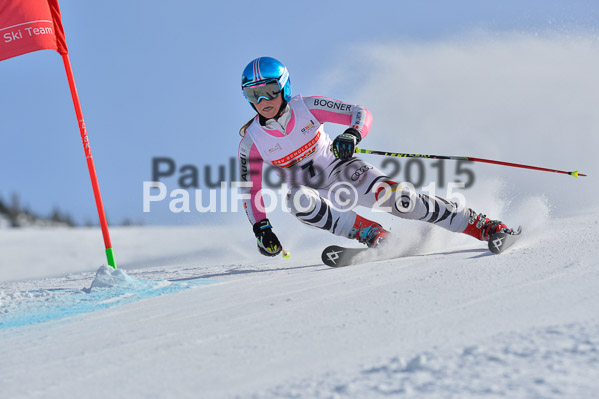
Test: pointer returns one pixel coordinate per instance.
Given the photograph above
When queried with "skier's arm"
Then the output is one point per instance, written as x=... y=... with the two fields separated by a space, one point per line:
x=335 y=111
x=250 y=167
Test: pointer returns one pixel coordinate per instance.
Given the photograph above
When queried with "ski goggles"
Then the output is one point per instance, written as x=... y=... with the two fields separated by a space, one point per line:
x=262 y=90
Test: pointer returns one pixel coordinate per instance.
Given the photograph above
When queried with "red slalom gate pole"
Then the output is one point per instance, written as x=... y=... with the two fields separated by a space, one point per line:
x=90 y=160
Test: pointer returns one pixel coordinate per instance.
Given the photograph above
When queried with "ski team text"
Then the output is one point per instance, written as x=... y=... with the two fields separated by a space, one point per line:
x=29 y=32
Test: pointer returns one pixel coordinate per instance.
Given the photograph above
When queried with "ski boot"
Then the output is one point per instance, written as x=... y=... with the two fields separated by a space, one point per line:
x=368 y=232
x=481 y=227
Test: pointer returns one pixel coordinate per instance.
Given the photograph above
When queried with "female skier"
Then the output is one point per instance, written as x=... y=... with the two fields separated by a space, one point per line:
x=288 y=134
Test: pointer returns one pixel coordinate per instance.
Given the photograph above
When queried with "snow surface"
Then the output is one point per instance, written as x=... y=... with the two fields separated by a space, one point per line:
x=446 y=320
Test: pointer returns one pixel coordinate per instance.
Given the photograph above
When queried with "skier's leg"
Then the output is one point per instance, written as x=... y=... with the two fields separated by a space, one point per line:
x=313 y=209
x=356 y=182
x=404 y=202
x=374 y=189
x=341 y=184
x=310 y=208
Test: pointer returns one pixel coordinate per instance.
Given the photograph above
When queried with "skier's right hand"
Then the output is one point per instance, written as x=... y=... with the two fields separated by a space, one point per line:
x=268 y=243
x=344 y=145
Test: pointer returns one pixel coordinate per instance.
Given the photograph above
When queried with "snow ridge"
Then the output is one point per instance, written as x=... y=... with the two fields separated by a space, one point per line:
x=549 y=362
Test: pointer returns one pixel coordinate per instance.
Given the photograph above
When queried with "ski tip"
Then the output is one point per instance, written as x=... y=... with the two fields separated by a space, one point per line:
x=500 y=241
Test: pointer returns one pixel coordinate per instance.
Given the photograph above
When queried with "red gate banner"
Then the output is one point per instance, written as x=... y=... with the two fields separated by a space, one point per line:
x=30 y=25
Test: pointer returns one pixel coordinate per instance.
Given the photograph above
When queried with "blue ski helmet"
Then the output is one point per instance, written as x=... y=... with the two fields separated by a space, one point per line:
x=257 y=76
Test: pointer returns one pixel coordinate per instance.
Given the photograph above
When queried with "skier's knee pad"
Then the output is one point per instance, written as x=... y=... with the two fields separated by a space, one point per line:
x=400 y=199
x=302 y=200
x=405 y=200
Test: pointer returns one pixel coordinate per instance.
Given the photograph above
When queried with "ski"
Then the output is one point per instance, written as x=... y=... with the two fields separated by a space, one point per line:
x=501 y=241
x=337 y=256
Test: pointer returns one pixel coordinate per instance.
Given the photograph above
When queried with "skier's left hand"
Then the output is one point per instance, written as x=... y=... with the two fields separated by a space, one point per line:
x=344 y=145
x=268 y=243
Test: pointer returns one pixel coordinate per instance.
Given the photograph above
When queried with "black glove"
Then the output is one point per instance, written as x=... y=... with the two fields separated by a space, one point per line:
x=268 y=243
x=344 y=145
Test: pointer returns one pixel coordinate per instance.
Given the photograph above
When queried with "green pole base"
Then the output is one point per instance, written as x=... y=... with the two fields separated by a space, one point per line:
x=110 y=258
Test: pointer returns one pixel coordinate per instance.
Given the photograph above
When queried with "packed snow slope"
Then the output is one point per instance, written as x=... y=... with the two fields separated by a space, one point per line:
x=445 y=320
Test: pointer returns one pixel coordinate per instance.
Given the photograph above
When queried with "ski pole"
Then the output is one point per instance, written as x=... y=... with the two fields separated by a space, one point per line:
x=458 y=158
x=285 y=254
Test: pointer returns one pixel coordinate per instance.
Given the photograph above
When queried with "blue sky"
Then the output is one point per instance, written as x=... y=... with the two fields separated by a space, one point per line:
x=161 y=79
